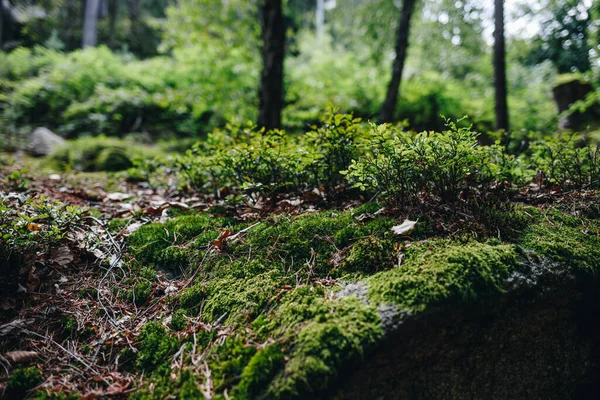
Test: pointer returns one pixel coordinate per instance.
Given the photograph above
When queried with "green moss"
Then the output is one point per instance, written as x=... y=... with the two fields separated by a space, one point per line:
x=261 y=368
x=178 y=321
x=23 y=379
x=164 y=387
x=230 y=359
x=370 y=254
x=311 y=238
x=438 y=272
x=566 y=239
x=154 y=345
x=47 y=394
x=168 y=245
x=323 y=336
x=70 y=325
x=140 y=292
x=233 y=300
x=116 y=225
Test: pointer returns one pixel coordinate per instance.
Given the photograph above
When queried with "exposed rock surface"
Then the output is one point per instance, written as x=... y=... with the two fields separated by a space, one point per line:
x=539 y=340
x=565 y=95
x=43 y=141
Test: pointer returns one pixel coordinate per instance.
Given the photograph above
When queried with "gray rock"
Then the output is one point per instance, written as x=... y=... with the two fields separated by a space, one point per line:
x=43 y=141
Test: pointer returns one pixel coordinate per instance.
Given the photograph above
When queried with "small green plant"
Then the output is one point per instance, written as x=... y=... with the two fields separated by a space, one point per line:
x=17 y=180
x=404 y=167
x=262 y=162
x=333 y=146
x=567 y=162
x=29 y=229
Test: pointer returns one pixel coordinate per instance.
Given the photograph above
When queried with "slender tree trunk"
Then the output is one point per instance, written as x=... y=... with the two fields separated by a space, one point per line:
x=113 y=8
x=391 y=98
x=134 y=11
x=271 y=80
x=320 y=18
x=103 y=11
x=92 y=7
x=1 y=21
x=500 y=67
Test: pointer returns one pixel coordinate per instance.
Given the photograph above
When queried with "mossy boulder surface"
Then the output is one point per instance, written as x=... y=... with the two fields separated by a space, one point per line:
x=307 y=300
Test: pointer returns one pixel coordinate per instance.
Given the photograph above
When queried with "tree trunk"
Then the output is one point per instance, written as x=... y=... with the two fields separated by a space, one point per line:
x=1 y=21
x=92 y=7
x=391 y=97
x=103 y=11
x=113 y=8
x=500 y=67
x=134 y=11
x=271 y=80
x=320 y=18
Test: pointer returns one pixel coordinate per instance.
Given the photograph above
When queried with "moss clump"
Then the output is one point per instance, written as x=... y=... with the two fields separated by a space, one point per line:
x=233 y=300
x=370 y=255
x=439 y=272
x=231 y=358
x=566 y=239
x=311 y=239
x=47 y=394
x=154 y=345
x=184 y=387
x=263 y=366
x=323 y=336
x=22 y=380
x=116 y=225
x=168 y=245
x=140 y=292
x=178 y=321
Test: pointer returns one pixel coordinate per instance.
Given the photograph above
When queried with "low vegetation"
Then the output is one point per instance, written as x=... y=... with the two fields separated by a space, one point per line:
x=270 y=280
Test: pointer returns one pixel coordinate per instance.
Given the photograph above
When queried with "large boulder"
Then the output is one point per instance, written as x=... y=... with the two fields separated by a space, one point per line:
x=43 y=141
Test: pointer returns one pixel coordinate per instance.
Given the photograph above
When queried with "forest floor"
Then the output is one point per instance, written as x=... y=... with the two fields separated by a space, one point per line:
x=75 y=319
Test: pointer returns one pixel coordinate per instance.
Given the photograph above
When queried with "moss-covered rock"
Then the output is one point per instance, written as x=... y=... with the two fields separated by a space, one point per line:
x=441 y=272
x=293 y=332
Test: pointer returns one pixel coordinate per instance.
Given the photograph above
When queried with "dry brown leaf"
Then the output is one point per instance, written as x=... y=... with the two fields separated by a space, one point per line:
x=61 y=256
x=20 y=356
x=33 y=281
x=117 y=388
x=93 y=395
x=218 y=242
x=33 y=227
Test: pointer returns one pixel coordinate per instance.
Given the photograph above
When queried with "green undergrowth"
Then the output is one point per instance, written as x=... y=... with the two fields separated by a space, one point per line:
x=293 y=333
x=100 y=153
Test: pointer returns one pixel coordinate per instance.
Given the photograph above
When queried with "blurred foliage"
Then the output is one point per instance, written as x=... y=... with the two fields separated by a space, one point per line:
x=101 y=154
x=208 y=71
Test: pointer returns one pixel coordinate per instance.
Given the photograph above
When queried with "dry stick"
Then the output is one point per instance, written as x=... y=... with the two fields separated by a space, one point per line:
x=117 y=253
x=75 y=356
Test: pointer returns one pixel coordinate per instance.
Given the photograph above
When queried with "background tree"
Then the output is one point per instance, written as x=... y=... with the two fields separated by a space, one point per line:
x=1 y=21
x=113 y=10
x=92 y=8
x=391 y=98
x=273 y=51
x=500 y=67
x=564 y=38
